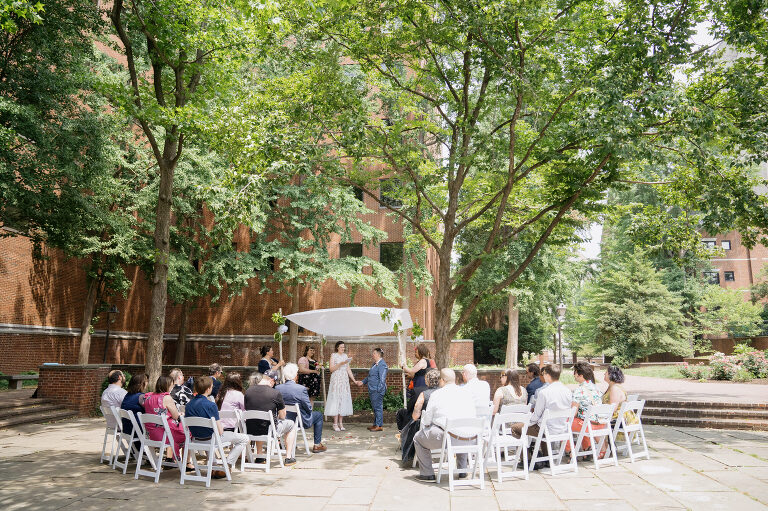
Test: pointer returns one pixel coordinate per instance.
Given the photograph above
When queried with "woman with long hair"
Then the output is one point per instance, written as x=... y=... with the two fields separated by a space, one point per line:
x=584 y=396
x=309 y=374
x=510 y=392
x=419 y=369
x=231 y=396
x=339 y=394
x=160 y=402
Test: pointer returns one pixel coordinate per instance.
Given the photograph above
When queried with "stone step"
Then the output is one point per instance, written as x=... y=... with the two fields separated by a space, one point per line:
x=707 y=413
x=696 y=422
x=34 y=407
x=37 y=418
x=658 y=403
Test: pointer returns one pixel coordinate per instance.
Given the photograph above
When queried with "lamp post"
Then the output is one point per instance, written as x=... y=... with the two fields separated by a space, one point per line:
x=112 y=310
x=560 y=320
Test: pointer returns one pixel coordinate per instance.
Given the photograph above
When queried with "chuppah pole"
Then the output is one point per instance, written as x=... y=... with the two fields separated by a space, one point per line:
x=322 y=369
x=401 y=356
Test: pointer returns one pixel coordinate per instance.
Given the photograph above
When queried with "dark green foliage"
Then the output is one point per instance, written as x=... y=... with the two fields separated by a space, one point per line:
x=490 y=346
x=392 y=402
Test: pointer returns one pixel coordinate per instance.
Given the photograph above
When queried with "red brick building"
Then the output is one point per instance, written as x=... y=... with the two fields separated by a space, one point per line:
x=739 y=267
x=41 y=307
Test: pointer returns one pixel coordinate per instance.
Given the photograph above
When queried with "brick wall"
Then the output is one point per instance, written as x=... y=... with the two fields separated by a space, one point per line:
x=75 y=387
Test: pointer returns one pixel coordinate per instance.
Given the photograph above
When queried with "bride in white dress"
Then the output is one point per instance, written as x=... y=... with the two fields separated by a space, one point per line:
x=339 y=395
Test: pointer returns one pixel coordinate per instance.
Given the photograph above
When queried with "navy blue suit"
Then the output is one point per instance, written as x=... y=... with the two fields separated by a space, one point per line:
x=377 y=387
x=293 y=394
x=532 y=387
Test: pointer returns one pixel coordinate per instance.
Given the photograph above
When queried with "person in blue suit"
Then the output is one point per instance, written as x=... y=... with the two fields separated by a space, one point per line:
x=377 y=387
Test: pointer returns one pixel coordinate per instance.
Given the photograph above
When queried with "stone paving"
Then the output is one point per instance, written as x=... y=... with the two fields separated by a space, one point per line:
x=55 y=466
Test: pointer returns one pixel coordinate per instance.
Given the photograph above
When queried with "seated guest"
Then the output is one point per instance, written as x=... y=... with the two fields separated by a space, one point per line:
x=265 y=398
x=160 y=402
x=214 y=371
x=201 y=406
x=584 y=396
x=417 y=405
x=231 y=397
x=134 y=399
x=448 y=402
x=480 y=390
x=254 y=378
x=113 y=395
x=295 y=394
x=555 y=397
x=532 y=371
x=510 y=392
x=615 y=394
x=180 y=393
x=267 y=361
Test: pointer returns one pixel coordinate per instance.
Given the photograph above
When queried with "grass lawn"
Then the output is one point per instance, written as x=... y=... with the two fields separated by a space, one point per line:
x=655 y=372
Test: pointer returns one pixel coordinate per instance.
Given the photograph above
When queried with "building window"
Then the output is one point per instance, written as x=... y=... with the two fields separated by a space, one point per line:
x=388 y=193
x=269 y=266
x=350 y=250
x=713 y=277
x=709 y=243
x=725 y=244
x=728 y=275
x=358 y=193
x=391 y=255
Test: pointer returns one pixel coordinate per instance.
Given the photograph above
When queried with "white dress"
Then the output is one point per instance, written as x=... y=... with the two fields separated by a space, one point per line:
x=339 y=393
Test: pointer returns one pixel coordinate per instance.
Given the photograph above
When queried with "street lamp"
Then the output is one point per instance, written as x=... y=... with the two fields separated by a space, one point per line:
x=112 y=310
x=560 y=320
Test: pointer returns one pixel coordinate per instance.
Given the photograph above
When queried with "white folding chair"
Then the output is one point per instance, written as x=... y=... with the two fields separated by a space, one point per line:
x=631 y=431
x=231 y=415
x=148 y=446
x=563 y=419
x=294 y=408
x=502 y=440
x=435 y=453
x=469 y=432
x=603 y=413
x=109 y=430
x=271 y=441
x=124 y=441
x=210 y=446
x=521 y=408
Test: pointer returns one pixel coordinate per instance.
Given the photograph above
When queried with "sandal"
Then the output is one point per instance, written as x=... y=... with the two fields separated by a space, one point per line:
x=336 y=427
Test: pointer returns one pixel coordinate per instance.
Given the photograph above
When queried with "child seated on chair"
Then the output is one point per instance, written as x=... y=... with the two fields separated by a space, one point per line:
x=201 y=406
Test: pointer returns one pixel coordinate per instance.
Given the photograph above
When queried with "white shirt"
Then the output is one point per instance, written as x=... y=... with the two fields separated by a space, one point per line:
x=555 y=397
x=480 y=391
x=448 y=402
x=112 y=396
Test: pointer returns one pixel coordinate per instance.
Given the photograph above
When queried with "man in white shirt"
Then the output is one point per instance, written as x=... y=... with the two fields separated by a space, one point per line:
x=448 y=402
x=480 y=390
x=555 y=397
x=113 y=395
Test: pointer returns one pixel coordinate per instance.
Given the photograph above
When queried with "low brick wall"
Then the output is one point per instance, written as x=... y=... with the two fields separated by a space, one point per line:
x=77 y=387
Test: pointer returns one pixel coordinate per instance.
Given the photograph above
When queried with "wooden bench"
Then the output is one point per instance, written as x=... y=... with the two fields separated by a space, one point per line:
x=18 y=379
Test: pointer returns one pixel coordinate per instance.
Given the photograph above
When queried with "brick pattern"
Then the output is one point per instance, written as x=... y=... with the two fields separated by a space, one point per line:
x=736 y=260
x=26 y=352
x=75 y=387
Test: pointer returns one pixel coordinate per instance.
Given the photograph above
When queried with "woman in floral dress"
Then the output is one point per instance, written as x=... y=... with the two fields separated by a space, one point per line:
x=584 y=396
x=339 y=394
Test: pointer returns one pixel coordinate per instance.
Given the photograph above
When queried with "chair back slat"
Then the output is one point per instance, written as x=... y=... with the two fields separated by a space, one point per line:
x=520 y=408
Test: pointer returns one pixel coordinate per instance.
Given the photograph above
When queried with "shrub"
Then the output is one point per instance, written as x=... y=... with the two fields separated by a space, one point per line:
x=742 y=375
x=755 y=362
x=392 y=402
x=695 y=372
x=722 y=367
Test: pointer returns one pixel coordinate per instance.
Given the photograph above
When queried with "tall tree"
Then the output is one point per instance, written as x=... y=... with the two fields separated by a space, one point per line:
x=178 y=56
x=515 y=115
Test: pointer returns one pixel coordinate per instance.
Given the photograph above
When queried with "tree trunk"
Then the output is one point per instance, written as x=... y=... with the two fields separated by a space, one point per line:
x=181 y=342
x=154 y=353
x=293 y=340
x=442 y=328
x=512 y=339
x=85 y=326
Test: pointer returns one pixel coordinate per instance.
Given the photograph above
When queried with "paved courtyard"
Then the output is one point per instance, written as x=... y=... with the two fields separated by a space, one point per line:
x=56 y=467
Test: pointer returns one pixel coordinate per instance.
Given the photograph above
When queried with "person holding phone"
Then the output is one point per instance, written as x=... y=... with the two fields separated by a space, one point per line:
x=339 y=402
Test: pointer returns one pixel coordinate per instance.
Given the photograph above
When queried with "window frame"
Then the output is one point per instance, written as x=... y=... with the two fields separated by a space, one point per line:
x=732 y=275
x=402 y=254
x=386 y=202
x=712 y=276
x=722 y=244
x=342 y=245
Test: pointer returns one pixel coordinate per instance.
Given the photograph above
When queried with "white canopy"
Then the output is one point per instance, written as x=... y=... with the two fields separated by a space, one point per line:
x=351 y=321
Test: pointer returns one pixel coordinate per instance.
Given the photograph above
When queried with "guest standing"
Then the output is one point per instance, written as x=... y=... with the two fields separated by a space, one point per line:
x=377 y=387
x=267 y=361
x=419 y=369
x=510 y=392
x=309 y=374
x=113 y=395
x=339 y=394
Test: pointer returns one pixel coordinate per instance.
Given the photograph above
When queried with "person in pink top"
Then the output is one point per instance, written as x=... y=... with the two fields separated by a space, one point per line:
x=160 y=402
x=231 y=397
